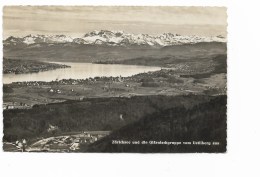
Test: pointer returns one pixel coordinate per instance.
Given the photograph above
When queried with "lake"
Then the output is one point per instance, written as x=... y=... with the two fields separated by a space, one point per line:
x=80 y=71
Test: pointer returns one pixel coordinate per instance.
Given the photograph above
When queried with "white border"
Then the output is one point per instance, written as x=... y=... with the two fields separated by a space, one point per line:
x=243 y=113
x=121 y=2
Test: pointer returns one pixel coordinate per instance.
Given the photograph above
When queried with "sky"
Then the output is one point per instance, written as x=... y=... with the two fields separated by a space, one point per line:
x=78 y=20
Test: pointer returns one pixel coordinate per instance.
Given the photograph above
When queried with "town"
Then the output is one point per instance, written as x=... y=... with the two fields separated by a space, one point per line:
x=163 y=82
x=28 y=66
x=69 y=142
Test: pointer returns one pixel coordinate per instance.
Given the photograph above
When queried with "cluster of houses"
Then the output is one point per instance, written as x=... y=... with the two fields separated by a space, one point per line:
x=21 y=67
x=66 y=143
x=18 y=146
x=55 y=91
x=70 y=81
x=15 y=105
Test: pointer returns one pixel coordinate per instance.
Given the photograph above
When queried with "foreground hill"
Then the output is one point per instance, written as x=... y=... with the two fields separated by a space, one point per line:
x=90 y=114
x=204 y=122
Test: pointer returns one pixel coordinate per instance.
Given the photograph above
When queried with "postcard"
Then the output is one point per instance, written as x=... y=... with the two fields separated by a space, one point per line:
x=115 y=79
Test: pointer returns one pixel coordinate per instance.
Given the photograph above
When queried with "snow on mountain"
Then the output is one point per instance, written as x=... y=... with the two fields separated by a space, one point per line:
x=121 y=38
x=34 y=39
x=13 y=41
x=29 y=40
x=114 y=38
x=59 y=39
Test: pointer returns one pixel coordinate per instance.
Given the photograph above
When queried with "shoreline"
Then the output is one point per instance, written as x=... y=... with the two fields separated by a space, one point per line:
x=18 y=66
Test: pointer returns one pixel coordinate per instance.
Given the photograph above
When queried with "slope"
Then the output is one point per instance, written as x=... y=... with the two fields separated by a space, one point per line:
x=204 y=122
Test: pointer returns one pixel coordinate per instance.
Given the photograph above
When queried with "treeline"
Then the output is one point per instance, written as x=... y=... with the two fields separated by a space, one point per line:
x=204 y=122
x=89 y=114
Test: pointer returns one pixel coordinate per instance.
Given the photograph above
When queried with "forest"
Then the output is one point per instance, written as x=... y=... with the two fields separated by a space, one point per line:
x=203 y=122
x=91 y=114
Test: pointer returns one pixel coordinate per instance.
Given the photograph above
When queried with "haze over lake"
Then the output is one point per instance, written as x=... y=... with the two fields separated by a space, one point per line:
x=80 y=71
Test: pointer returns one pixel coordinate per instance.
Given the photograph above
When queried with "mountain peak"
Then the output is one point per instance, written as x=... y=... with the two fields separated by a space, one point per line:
x=114 y=38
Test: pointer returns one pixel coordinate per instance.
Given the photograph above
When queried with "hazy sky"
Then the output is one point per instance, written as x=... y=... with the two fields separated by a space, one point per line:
x=78 y=20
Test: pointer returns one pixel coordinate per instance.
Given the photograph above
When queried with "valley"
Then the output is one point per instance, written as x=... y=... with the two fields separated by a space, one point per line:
x=117 y=87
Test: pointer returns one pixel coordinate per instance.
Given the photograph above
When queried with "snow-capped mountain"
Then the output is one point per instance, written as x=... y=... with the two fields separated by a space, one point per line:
x=35 y=39
x=113 y=38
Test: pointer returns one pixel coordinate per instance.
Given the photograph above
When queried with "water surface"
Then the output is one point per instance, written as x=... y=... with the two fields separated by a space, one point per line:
x=80 y=71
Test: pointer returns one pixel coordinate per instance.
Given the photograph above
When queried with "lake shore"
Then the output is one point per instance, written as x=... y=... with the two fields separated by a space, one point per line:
x=163 y=82
x=15 y=66
x=79 y=71
x=43 y=109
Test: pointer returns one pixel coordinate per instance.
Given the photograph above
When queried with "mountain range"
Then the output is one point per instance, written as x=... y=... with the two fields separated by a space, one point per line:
x=110 y=38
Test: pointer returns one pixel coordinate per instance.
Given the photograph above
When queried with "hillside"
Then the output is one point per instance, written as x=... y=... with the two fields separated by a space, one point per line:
x=172 y=55
x=28 y=66
x=112 y=54
x=204 y=122
x=90 y=114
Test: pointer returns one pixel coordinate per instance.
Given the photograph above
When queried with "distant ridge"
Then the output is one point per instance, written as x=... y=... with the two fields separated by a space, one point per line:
x=112 y=38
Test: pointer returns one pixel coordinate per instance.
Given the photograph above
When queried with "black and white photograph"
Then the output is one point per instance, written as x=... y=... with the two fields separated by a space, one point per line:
x=114 y=79
x=129 y=88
